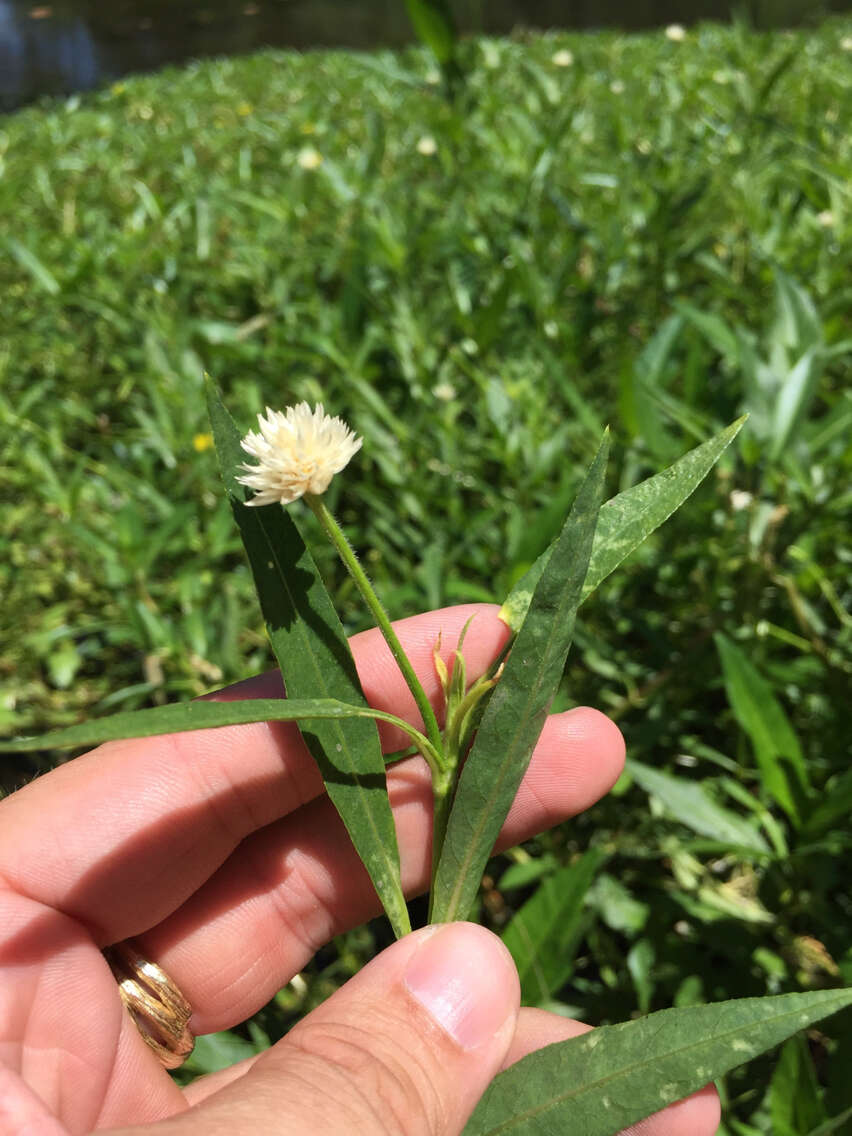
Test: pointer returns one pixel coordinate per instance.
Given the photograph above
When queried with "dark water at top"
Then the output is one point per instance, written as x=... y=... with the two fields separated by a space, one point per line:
x=71 y=45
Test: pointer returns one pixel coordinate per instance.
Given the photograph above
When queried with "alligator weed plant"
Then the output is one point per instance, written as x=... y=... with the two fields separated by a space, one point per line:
x=597 y=1083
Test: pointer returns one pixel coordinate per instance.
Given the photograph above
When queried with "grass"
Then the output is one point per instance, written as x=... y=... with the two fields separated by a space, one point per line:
x=655 y=236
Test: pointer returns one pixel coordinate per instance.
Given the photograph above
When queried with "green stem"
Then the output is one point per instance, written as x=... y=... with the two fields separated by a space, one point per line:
x=442 y=792
x=347 y=555
x=434 y=758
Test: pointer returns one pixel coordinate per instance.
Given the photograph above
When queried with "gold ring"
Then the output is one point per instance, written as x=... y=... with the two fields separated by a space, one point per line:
x=158 y=1009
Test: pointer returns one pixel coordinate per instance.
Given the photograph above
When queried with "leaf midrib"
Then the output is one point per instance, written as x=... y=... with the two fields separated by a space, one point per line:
x=393 y=867
x=626 y=1070
x=486 y=815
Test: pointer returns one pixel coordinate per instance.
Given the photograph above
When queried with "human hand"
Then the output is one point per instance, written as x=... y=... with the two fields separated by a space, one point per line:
x=218 y=853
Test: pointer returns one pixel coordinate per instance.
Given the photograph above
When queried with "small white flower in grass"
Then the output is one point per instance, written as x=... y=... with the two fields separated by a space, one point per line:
x=826 y=218
x=740 y=499
x=299 y=451
x=444 y=391
x=617 y=87
x=846 y=43
x=309 y=158
x=563 y=58
x=676 y=33
x=427 y=146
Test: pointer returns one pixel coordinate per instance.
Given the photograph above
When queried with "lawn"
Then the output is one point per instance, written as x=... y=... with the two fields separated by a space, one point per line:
x=595 y=229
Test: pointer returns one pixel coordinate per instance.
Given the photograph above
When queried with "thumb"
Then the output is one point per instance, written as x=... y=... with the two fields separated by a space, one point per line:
x=407 y=1046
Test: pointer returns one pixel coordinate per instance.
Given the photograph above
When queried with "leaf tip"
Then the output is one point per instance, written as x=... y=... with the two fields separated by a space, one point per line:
x=604 y=447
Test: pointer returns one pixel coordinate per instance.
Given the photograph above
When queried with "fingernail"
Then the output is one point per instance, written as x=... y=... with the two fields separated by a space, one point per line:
x=464 y=978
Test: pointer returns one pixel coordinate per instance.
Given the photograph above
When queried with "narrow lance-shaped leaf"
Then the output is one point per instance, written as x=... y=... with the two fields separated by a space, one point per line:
x=516 y=713
x=776 y=747
x=691 y=804
x=432 y=20
x=794 y=1098
x=316 y=662
x=627 y=519
x=614 y=1076
x=179 y=717
x=543 y=936
x=793 y=400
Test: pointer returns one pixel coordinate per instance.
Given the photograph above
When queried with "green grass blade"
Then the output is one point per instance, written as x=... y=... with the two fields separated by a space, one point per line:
x=691 y=804
x=614 y=1076
x=793 y=400
x=626 y=520
x=543 y=935
x=316 y=662
x=178 y=717
x=516 y=713
x=28 y=260
x=776 y=748
x=716 y=330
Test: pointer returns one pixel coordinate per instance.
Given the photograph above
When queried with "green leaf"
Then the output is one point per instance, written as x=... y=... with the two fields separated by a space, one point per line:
x=838 y=1083
x=526 y=873
x=640 y=965
x=605 y=1080
x=617 y=907
x=518 y=707
x=626 y=520
x=835 y=804
x=642 y=387
x=794 y=1100
x=316 y=662
x=178 y=717
x=433 y=24
x=776 y=747
x=214 y=1051
x=833 y=1126
x=796 y=325
x=691 y=804
x=778 y=69
x=543 y=935
x=715 y=330
x=28 y=260
x=793 y=400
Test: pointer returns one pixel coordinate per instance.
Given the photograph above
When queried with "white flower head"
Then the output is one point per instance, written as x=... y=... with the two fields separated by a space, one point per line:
x=427 y=146
x=676 y=33
x=299 y=451
x=846 y=43
x=445 y=391
x=562 y=58
x=309 y=158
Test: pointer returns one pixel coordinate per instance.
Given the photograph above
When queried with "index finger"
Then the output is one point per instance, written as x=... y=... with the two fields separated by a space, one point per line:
x=120 y=837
